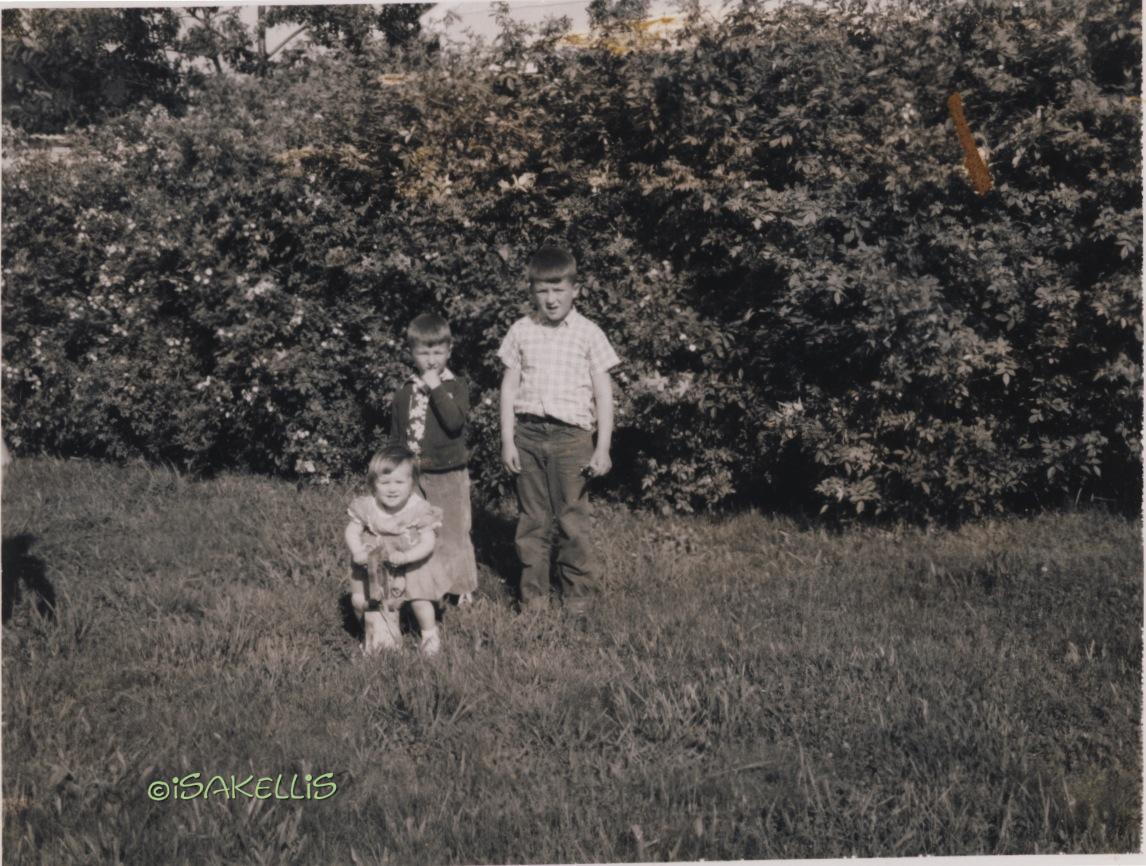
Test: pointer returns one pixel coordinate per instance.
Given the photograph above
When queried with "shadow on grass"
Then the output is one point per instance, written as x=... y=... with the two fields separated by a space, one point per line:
x=350 y=623
x=23 y=572
x=493 y=546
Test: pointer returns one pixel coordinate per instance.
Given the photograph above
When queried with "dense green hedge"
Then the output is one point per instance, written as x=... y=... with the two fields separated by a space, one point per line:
x=772 y=217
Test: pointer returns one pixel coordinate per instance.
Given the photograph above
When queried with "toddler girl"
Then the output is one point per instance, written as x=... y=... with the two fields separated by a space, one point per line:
x=391 y=536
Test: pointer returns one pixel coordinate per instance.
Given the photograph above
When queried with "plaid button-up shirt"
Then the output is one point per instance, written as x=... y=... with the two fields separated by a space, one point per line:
x=556 y=363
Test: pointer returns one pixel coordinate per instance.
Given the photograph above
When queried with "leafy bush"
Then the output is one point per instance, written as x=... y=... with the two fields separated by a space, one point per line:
x=772 y=217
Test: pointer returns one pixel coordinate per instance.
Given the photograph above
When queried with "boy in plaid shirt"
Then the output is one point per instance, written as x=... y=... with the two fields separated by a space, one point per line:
x=555 y=391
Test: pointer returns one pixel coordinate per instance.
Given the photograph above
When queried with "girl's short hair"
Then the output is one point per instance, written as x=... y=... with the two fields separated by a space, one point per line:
x=428 y=330
x=552 y=262
x=389 y=459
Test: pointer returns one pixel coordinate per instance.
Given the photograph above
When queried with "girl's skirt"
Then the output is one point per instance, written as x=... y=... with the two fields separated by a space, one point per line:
x=454 y=552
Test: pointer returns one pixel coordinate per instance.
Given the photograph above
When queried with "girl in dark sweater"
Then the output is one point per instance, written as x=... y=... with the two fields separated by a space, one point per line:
x=428 y=416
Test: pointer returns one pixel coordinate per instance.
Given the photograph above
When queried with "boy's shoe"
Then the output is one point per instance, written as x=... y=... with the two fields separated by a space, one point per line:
x=579 y=607
x=465 y=598
x=431 y=644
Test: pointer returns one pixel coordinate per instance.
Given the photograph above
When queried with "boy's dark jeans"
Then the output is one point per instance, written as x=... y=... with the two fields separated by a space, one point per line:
x=551 y=494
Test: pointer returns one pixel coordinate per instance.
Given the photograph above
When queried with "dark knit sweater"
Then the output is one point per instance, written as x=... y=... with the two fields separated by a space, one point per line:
x=444 y=443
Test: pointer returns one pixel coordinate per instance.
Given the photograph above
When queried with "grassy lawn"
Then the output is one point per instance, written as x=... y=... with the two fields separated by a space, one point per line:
x=751 y=689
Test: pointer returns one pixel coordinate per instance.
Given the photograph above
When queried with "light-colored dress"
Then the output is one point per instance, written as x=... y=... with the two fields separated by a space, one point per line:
x=385 y=533
x=450 y=491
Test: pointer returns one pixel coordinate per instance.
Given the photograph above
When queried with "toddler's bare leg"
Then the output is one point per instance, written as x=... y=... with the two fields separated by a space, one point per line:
x=358 y=590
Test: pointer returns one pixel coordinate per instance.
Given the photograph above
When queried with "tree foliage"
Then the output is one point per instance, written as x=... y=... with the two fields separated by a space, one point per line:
x=771 y=214
x=353 y=26
x=63 y=66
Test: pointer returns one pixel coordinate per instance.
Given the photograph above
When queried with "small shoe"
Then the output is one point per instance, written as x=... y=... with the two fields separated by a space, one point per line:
x=465 y=598
x=578 y=607
x=431 y=644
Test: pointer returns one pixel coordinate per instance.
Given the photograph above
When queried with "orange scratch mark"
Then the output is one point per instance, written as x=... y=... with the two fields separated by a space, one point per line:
x=980 y=176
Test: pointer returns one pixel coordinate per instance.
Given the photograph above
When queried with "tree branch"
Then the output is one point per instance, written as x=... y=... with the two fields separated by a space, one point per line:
x=282 y=44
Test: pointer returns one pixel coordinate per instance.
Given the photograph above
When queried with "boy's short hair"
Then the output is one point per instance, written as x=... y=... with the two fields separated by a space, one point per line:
x=428 y=329
x=552 y=262
x=389 y=459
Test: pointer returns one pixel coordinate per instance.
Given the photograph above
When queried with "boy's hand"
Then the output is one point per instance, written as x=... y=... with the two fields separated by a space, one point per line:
x=509 y=459
x=360 y=556
x=599 y=464
x=396 y=557
x=432 y=378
